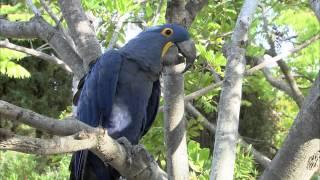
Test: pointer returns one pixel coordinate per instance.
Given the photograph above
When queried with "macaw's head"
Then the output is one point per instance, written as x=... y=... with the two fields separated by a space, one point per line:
x=151 y=48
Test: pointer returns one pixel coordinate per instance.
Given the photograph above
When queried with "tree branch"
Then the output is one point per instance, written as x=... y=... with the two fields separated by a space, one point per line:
x=277 y=83
x=230 y=98
x=57 y=145
x=157 y=13
x=315 y=5
x=116 y=31
x=66 y=127
x=298 y=158
x=23 y=30
x=49 y=11
x=39 y=28
x=297 y=94
x=81 y=31
x=174 y=122
x=249 y=72
x=33 y=8
x=282 y=55
x=35 y=53
x=258 y=156
x=133 y=162
x=295 y=91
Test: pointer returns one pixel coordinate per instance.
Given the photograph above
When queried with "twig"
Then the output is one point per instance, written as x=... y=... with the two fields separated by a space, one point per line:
x=33 y=8
x=224 y=34
x=35 y=53
x=213 y=72
x=296 y=94
x=277 y=83
x=260 y=158
x=157 y=13
x=251 y=71
x=116 y=32
x=282 y=55
x=37 y=27
x=49 y=11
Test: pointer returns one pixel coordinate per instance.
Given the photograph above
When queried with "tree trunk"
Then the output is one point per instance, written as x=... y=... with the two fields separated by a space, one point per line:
x=230 y=99
x=175 y=128
x=299 y=157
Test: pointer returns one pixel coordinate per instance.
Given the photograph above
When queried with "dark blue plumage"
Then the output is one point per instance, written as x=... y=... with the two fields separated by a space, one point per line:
x=121 y=93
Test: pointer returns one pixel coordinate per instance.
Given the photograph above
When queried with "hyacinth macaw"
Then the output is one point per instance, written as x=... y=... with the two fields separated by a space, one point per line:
x=121 y=92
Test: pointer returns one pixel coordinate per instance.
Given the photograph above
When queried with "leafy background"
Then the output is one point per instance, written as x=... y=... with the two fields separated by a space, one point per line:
x=266 y=113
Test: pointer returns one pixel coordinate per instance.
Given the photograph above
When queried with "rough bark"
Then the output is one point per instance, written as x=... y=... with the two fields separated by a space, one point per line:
x=230 y=98
x=81 y=30
x=133 y=162
x=299 y=157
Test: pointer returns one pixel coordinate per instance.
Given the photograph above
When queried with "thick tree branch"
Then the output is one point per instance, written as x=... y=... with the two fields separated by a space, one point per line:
x=175 y=130
x=58 y=24
x=81 y=30
x=230 y=98
x=133 y=162
x=57 y=145
x=39 y=28
x=299 y=156
x=23 y=30
x=35 y=53
x=66 y=127
x=258 y=156
x=315 y=5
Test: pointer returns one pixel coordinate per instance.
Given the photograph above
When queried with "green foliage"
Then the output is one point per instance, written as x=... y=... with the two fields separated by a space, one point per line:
x=266 y=113
x=199 y=161
x=245 y=167
x=9 y=67
x=14 y=165
x=154 y=141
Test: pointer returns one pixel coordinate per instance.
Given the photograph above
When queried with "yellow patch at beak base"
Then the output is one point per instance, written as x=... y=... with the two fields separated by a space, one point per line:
x=166 y=47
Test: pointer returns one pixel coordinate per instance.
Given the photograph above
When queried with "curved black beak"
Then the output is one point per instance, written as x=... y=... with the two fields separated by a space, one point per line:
x=188 y=50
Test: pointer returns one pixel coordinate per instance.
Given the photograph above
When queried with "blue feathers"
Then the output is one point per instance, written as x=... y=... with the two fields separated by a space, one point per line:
x=121 y=93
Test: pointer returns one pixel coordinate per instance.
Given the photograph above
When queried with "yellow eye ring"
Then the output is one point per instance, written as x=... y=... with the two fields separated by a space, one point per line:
x=167 y=32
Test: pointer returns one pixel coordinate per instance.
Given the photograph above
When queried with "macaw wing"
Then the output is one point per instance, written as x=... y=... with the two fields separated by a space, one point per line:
x=95 y=101
x=98 y=91
x=153 y=105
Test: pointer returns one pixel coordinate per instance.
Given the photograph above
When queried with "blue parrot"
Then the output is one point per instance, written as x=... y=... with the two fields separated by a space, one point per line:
x=121 y=92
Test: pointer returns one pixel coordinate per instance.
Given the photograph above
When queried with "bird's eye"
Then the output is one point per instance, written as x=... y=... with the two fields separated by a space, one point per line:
x=167 y=32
